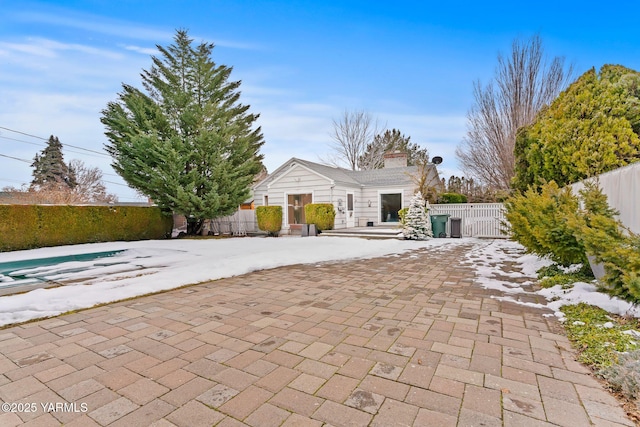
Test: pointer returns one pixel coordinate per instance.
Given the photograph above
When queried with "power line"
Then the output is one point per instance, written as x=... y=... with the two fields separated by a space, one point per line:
x=15 y=158
x=45 y=139
x=116 y=183
x=41 y=144
x=11 y=180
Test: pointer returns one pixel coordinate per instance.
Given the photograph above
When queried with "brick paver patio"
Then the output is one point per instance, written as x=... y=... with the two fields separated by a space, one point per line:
x=398 y=341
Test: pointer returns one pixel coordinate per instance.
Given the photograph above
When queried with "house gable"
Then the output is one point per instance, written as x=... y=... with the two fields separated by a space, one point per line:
x=292 y=168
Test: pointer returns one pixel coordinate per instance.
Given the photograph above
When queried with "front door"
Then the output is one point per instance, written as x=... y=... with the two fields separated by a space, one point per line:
x=351 y=220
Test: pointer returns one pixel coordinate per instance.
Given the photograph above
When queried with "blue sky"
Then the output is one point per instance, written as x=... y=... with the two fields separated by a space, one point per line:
x=411 y=64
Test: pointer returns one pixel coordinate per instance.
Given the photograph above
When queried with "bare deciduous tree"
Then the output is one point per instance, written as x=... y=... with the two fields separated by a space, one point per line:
x=524 y=82
x=351 y=134
x=426 y=181
x=89 y=184
x=88 y=188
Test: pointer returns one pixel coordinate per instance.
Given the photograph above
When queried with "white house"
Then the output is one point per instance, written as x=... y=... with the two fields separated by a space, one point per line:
x=360 y=198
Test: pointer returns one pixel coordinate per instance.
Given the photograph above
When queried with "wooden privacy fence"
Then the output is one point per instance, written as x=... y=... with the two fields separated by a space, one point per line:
x=238 y=224
x=478 y=219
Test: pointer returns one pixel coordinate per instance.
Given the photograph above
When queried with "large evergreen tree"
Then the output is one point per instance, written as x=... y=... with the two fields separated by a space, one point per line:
x=185 y=140
x=49 y=169
x=591 y=128
x=391 y=140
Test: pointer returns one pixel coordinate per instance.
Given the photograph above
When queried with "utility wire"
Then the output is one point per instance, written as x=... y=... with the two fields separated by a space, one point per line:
x=15 y=158
x=116 y=183
x=45 y=139
x=41 y=144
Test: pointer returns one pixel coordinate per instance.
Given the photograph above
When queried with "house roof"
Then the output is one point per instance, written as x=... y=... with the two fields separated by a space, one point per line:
x=385 y=176
x=364 y=178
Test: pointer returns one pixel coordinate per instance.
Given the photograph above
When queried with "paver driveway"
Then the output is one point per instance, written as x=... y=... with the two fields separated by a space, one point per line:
x=396 y=341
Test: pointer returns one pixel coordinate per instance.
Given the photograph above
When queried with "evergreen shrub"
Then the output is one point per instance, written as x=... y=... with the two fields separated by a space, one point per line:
x=269 y=219
x=322 y=215
x=538 y=221
x=604 y=237
x=416 y=223
x=447 y=198
x=35 y=226
x=402 y=214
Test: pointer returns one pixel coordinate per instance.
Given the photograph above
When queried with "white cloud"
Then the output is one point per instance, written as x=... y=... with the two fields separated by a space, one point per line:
x=112 y=27
x=94 y=24
x=143 y=50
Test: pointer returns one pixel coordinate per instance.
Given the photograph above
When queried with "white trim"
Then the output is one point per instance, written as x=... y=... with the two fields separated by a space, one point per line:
x=389 y=191
x=350 y=215
x=294 y=166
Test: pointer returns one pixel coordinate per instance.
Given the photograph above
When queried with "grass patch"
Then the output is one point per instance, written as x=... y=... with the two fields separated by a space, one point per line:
x=554 y=274
x=599 y=336
x=605 y=343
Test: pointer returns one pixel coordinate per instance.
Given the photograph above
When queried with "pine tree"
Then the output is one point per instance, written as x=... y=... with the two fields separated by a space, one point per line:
x=391 y=140
x=49 y=169
x=185 y=141
x=417 y=225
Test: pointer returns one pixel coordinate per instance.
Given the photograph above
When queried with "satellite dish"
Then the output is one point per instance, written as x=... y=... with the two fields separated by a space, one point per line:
x=436 y=160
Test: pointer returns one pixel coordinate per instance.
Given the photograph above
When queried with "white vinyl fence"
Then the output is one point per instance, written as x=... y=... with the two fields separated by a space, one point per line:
x=622 y=187
x=478 y=219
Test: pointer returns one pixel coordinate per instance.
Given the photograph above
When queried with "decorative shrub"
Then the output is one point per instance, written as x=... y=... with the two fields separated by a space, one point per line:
x=416 y=223
x=322 y=215
x=538 y=221
x=452 y=198
x=269 y=219
x=624 y=376
x=604 y=237
x=35 y=226
x=402 y=214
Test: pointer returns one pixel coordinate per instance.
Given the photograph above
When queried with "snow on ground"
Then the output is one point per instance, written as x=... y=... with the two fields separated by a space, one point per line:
x=492 y=260
x=151 y=266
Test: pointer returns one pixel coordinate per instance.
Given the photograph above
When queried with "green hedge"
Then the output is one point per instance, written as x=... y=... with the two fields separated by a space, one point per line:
x=452 y=198
x=538 y=221
x=321 y=214
x=269 y=219
x=35 y=226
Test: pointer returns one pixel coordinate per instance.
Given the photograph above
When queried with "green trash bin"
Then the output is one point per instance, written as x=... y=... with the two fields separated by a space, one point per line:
x=439 y=225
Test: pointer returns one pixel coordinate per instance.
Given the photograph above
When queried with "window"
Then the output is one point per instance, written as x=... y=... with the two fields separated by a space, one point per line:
x=266 y=200
x=390 y=204
x=350 y=201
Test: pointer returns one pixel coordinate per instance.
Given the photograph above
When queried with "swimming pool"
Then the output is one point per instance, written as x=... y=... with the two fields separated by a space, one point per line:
x=42 y=272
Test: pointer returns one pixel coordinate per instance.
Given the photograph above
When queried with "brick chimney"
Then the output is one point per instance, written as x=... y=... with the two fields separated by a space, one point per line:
x=395 y=159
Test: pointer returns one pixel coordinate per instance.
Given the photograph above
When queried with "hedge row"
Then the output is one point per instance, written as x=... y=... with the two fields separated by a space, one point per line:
x=35 y=226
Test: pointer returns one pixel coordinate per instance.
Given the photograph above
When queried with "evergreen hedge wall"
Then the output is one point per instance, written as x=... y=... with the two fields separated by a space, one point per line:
x=35 y=226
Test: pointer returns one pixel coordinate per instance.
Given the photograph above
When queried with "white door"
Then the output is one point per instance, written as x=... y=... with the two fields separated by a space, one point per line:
x=351 y=220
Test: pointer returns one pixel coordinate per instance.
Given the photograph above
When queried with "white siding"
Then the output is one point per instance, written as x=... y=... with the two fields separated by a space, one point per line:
x=300 y=180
